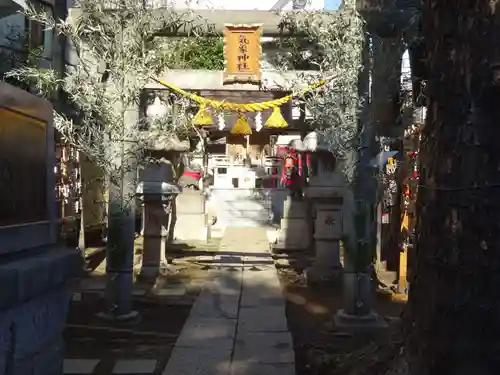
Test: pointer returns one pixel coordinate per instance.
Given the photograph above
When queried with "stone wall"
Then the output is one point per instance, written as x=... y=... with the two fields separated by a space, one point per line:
x=33 y=312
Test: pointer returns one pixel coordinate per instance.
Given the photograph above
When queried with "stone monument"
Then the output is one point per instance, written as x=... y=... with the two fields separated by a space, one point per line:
x=34 y=267
x=192 y=220
x=292 y=235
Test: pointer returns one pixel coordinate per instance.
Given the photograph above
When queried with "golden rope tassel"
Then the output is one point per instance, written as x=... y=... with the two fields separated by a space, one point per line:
x=241 y=127
x=276 y=120
x=203 y=117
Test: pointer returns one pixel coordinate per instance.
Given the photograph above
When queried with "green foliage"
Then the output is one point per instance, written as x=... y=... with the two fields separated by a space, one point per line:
x=205 y=53
x=116 y=51
x=333 y=45
x=193 y=53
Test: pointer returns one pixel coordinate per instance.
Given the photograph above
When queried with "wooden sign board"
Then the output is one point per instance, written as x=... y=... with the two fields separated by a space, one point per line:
x=242 y=52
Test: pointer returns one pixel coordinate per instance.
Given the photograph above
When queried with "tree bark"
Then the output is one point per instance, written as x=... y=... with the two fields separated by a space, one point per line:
x=453 y=314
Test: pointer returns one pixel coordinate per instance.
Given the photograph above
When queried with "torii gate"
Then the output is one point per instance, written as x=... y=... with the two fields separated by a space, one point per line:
x=384 y=22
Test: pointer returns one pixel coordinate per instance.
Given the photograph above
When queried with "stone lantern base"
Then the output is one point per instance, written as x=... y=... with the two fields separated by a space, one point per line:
x=157 y=201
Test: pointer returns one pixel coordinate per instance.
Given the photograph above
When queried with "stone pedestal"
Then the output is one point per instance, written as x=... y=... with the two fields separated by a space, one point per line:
x=191 y=219
x=157 y=201
x=327 y=233
x=156 y=217
x=358 y=301
x=293 y=231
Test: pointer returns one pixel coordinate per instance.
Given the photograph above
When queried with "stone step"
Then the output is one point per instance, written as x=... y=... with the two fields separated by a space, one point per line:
x=246 y=215
x=240 y=222
x=281 y=248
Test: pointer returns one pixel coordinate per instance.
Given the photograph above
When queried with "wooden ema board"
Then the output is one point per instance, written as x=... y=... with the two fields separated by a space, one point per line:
x=242 y=52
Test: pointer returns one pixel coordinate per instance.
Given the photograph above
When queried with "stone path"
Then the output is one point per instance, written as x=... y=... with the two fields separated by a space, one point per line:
x=237 y=325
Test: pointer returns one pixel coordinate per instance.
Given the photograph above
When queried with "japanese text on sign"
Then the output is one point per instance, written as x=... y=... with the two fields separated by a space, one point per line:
x=243 y=56
x=242 y=52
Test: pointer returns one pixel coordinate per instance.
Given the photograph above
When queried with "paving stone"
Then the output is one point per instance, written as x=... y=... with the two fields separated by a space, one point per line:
x=201 y=332
x=218 y=270
x=254 y=296
x=253 y=368
x=214 y=360
x=172 y=290
x=261 y=288
x=267 y=347
x=264 y=275
x=227 y=283
x=262 y=319
x=198 y=282
x=244 y=293
x=79 y=366
x=210 y=304
x=195 y=285
x=135 y=366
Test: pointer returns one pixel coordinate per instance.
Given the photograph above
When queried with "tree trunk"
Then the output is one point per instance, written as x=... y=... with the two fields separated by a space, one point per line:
x=453 y=314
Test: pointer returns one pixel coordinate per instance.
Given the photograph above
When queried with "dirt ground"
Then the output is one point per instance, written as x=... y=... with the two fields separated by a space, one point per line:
x=153 y=337
x=321 y=349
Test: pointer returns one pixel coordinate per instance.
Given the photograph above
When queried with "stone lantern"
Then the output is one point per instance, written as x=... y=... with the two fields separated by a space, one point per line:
x=330 y=204
x=157 y=195
x=158 y=191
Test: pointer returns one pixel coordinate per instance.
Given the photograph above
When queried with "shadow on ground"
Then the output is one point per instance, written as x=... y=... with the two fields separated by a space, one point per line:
x=322 y=349
x=237 y=303
x=153 y=338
